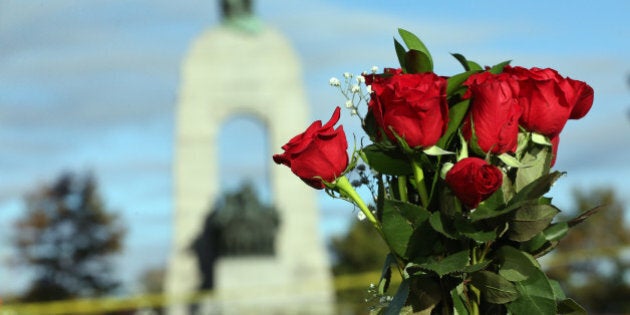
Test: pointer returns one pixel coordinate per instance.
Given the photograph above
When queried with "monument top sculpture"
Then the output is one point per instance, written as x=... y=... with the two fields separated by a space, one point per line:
x=238 y=14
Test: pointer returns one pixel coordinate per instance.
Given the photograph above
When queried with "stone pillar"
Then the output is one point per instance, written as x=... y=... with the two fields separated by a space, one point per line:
x=229 y=72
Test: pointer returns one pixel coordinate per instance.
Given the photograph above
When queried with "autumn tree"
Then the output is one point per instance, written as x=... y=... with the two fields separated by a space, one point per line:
x=589 y=261
x=68 y=237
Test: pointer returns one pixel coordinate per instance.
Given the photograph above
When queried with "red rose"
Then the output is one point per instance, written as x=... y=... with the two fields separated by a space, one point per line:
x=494 y=112
x=549 y=100
x=473 y=180
x=318 y=153
x=411 y=105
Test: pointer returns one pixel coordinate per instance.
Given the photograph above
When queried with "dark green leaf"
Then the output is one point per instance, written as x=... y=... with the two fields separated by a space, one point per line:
x=535 y=296
x=369 y=125
x=397 y=230
x=400 y=53
x=490 y=209
x=494 y=288
x=386 y=273
x=570 y=307
x=474 y=231
x=467 y=64
x=476 y=267
x=498 y=68
x=399 y=220
x=454 y=82
x=417 y=62
x=425 y=239
x=462 y=60
x=438 y=223
x=456 y=115
x=399 y=299
x=413 y=42
x=530 y=220
x=425 y=294
x=452 y=263
x=515 y=264
x=413 y=213
x=390 y=162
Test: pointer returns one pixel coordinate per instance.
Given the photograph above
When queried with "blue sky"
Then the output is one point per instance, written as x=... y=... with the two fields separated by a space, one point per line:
x=92 y=85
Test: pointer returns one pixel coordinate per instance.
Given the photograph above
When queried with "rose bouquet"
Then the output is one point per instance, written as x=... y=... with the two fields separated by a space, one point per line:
x=458 y=168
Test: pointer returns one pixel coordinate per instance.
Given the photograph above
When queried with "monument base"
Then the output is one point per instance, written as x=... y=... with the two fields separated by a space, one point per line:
x=262 y=285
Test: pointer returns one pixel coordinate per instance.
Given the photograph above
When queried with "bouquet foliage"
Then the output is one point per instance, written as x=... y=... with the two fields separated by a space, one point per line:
x=458 y=168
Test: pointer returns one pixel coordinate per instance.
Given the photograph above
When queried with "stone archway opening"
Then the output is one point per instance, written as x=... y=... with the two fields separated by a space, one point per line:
x=243 y=152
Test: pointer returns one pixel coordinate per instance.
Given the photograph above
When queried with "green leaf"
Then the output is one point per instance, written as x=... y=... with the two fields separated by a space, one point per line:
x=538 y=160
x=456 y=115
x=515 y=264
x=535 y=296
x=558 y=293
x=510 y=160
x=537 y=188
x=467 y=64
x=455 y=262
x=436 y=151
x=399 y=299
x=458 y=302
x=540 y=139
x=417 y=62
x=556 y=231
x=399 y=220
x=474 y=231
x=494 y=288
x=570 y=307
x=386 y=161
x=454 y=82
x=400 y=53
x=413 y=42
x=476 y=267
x=498 y=68
x=396 y=229
x=415 y=214
x=386 y=273
x=530 y=220
x=425 y=294
x=535 y=244
x=369 y=125
x=438 y=224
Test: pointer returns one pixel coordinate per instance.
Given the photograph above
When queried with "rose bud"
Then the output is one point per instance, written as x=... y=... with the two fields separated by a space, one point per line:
x=413 y=106
x=494 y=112
x=317 y=154
x=549 y=100
x=473 y=180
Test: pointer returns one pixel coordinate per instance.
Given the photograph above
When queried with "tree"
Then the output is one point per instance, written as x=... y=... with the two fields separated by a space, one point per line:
x=68 y=237
x=589 y=263
x=360 y=250
x=152 y=280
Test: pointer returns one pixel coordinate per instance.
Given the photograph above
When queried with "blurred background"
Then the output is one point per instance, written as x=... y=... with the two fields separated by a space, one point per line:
x=88 y=92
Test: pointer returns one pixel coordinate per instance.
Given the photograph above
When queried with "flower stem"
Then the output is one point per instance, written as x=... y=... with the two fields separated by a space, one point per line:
x=343 y=185
x=402 y=188
x=418 y=173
